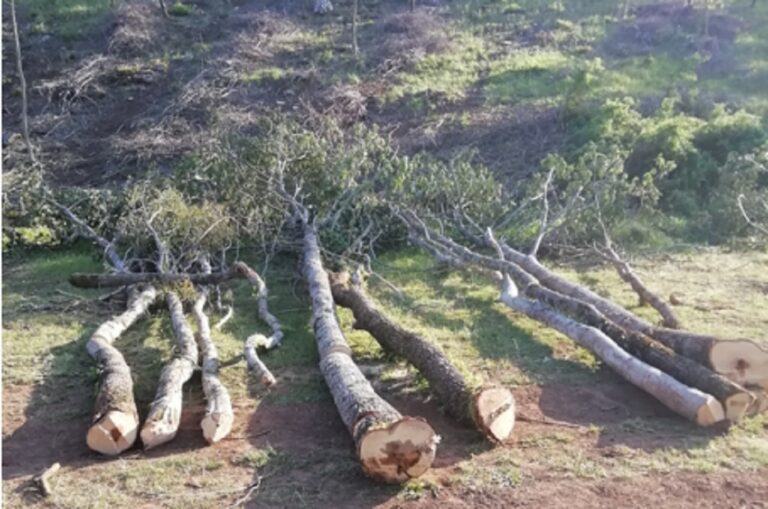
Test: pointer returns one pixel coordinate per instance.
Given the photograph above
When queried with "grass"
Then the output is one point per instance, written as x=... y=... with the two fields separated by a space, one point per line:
x=69 y=19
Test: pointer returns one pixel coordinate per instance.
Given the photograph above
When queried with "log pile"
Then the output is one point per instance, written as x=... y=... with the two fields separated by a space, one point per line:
x=703 y=378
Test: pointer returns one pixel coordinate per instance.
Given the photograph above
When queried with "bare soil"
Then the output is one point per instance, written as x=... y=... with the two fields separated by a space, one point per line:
x=321 y=464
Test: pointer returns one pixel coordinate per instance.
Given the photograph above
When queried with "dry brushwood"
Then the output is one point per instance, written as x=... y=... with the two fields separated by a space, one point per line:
x=89 y=280
x=390 y=447
x=165 y=412
x=115 y=419
x=491 y=408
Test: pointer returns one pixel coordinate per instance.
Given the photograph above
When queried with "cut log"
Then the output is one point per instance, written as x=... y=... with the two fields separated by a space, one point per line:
x=256 y=341
x=691 y=403
x=165 y=412
x=743 y=361
x=390 y=447
x=492 y=409
x=88 y=280
x=115 y=419
x=218 y=419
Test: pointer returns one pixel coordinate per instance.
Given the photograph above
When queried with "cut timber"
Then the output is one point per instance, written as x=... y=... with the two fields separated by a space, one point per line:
x=735 y=399
x=217 y=422
x=255 y=341
x=743 y=361
x=689 y=402
x=492 y=408
x=701 y=408
x=115 y=419
x=88 y=280
x=165 y=412
x=391 y=448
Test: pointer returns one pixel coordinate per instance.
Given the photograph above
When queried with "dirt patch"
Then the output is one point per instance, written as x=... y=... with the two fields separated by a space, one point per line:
x=677 y=490
x=405 y=38
x=672 y=25
x=137 y=28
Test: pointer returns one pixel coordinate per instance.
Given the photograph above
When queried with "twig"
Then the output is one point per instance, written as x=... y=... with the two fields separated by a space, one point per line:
x=41 y=481
x=225 y=318
x=547 y=421
x=250 y=489
x=544 y=215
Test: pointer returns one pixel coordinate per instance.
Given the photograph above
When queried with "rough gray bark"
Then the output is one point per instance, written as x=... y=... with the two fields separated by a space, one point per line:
x=115 y=419
x=217 y=422
x=165 y=412
x=463 y=401
x=390 y=447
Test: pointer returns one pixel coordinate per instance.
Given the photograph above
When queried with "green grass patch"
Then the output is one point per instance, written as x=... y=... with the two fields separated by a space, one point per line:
x=69 y=19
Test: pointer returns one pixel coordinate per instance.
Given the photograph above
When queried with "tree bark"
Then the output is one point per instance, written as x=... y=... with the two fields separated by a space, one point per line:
x=86 y=280
x=115 y=421
x=165 y=412
x=691 y=403
x=743 y=361
x=255 y=341
x=218 y=419
x=391 y=447
x=492 y=409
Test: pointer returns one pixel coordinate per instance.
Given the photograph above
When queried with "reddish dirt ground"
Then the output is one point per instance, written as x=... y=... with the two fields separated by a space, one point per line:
x=313 y=430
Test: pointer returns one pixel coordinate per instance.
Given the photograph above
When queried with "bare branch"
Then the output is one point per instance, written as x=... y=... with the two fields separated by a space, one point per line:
x=544 y=215
x=757 y=226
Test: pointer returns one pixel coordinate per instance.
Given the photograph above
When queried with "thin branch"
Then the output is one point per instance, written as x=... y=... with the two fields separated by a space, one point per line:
x=757 y=226
x=544 y=215
x=22 y=79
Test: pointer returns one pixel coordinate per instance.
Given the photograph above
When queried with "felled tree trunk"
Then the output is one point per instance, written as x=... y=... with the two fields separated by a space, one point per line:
x=691 y=403
x=492 y=409
x=115 y=419
x=87 y=280
x=255 y=341
x=391 y=447
x=217 y=422
x=165 y=412
x=743 y=361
